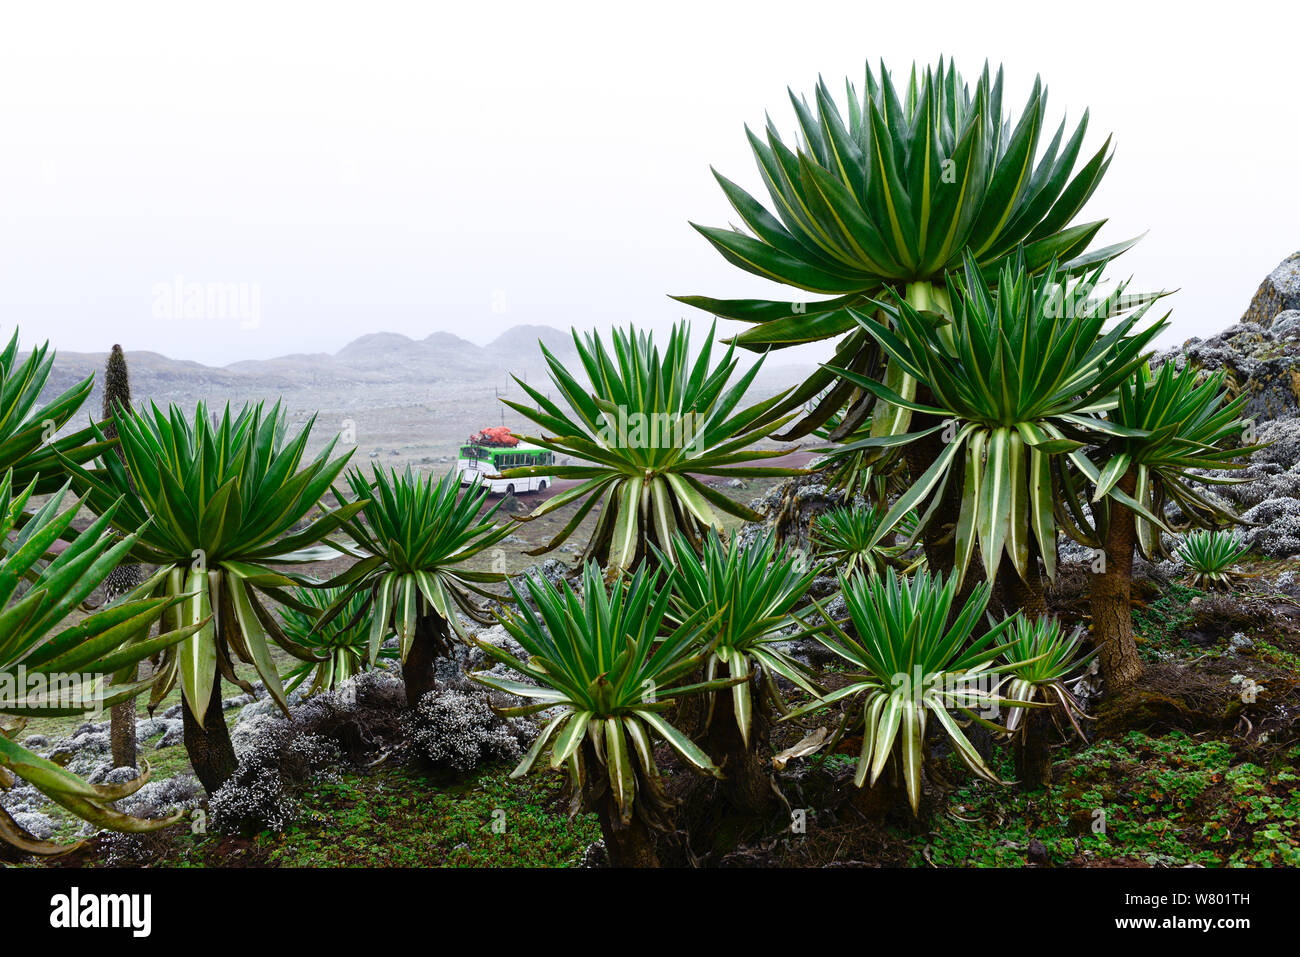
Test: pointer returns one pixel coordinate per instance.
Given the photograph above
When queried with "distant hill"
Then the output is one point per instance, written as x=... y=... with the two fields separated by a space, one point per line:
x=394 y=356
x=521 y=343
x=373 y=359
x=441 y=363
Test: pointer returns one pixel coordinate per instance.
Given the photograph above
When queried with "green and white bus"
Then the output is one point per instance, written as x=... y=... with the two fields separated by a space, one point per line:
x=484 y=461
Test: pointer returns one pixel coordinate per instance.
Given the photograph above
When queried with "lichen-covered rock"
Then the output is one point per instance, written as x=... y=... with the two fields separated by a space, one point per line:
x=554 y=570
x=1286 y=325
x=1270 y=494
x=1272 y=475
x=790 y=509
x=169 y=731
x=1287 y=583
x=1279 y=292
x=1278 y=531
x=262 y=703
x=85 y=751
x=1264 y=367
x=38 y=825
x=22 y=798
x=465 y=658
x=93 y=738
x=107 y=774
x=161 y=798
x=1282 y=444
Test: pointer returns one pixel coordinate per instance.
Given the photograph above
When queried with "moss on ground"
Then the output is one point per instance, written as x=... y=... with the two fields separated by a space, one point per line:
x=400 y=819
x=1164 y=801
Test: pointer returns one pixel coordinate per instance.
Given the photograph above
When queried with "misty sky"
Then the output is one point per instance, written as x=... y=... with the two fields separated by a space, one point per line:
x=351 y=168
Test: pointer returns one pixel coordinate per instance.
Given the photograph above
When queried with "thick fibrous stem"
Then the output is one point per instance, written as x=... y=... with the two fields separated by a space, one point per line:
x=1033 y=750
x=210 y=750
x=747 y=784
x=1112 y=615
x=432 y=641
x=938 y=540
x=628 y=845
x=1023 y=594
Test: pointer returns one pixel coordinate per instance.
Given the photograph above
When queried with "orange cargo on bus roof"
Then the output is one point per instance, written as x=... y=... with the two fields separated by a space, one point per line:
x=497 y=435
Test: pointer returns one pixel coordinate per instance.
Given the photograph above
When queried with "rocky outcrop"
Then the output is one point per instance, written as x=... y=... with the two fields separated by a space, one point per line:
x=1278 y=293
x=1262 y=363
x=790 y=508
x=1262 y=357
x=1286 y=326
x=1262 y=352
x=1267 y=493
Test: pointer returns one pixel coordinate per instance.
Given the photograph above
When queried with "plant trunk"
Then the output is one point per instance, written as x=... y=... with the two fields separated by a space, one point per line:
x=1019 y=594
x=121 y=734
x=689 y=713
x=432 y=641
x=1112 y=615
x=939 y=539
x=1033 y=750
x=211 y=752
x=747 y=782
x=886 y=799
x=627 y=846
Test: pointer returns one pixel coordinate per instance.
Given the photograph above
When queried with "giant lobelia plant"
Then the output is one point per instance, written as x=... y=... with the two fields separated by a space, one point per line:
x=126 y=577
x=889 y=195
x=844 y=537
x=29 y=442
x=1040 y=657
x=1210 y=556
x=645 y=429
x=1168 y=434
x=916 y=657
x=751 y=592
x=50 y=667
x=417 y=537
x=219 y=503
x=607 y=665
x=1019 y=381
x=341 y=642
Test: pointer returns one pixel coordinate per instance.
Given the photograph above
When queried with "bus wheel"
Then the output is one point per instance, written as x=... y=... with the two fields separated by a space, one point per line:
x=510 y=490
x=541 y=486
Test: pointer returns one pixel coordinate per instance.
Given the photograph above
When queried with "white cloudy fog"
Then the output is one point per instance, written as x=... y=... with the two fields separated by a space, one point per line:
x=350 y=168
